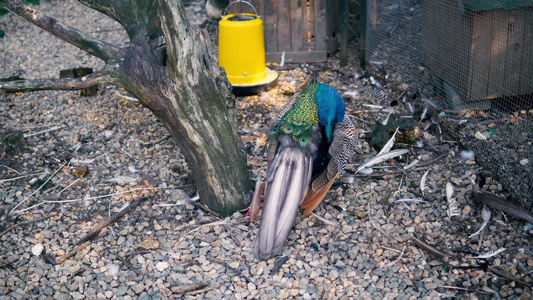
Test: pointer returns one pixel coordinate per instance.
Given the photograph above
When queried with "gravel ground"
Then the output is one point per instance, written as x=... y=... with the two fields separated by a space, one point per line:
x=359 y=245
x=394 y=46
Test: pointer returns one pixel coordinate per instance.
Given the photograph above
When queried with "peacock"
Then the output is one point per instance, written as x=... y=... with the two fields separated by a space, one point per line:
x=310 y=143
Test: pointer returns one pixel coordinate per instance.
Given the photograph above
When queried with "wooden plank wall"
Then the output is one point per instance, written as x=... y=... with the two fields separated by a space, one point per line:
x=501 y=57
x=526 y=53
x=481 y=55
x=446 y=36
x=296 y=27
x=479 y=63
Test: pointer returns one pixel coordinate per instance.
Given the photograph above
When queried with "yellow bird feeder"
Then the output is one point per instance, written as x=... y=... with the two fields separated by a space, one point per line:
x=241 y=51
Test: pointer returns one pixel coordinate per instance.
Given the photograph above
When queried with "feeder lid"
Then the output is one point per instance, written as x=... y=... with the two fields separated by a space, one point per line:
x=241 y=17
x=258 y=86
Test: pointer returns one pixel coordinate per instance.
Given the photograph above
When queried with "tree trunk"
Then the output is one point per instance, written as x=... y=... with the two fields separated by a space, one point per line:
x=173 y=71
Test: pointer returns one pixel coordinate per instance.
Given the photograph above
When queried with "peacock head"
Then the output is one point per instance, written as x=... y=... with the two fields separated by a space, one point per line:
x=331 y=108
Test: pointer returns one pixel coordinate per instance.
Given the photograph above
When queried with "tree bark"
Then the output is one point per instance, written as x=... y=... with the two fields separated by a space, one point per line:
x=173 y=71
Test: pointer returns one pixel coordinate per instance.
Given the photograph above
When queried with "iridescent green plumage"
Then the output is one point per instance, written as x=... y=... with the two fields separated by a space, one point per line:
x=300 y=119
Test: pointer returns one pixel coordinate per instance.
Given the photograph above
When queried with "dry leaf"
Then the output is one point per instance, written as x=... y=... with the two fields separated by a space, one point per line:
x=186 y=288
x=80 y=172
x=255 y=162
x=149 y=244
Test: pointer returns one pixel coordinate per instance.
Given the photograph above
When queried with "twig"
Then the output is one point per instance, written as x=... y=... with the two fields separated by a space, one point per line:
x=208 y=224
x=508 y=276
x=328 y=222
x=10 y=169
x=125 y=262
x=90 y=198
x=20 y=177
x=392 y=263
x=417 y=194
x=71 y=253
x=228 y=230
x=429 y=162
x=428 y=248
x=202 y=206
x=77 y=83
x=108 y=195
x=403 y=93
x=233 y=269
x=126 y=97
x=190 y=288
x=42 y=185
x=74 y=182
x=26 y=135
x=126 y=153
x=37 y=126
x=24 y=223
x=105 y=223
x=464 y=289
x=364 y=111
x=196 y=292
x=97 y=229
x=406 y=200
x=390 y=249
x=28 y=208
x=392 y=173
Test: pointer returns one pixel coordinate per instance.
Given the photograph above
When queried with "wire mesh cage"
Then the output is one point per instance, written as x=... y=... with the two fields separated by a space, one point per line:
x=473 y=61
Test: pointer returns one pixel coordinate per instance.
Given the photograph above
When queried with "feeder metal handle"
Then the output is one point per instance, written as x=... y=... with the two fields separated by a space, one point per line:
x=240 y=1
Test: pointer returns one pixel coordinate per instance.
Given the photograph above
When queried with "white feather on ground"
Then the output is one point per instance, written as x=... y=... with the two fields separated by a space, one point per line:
x=489 y=254
x=386 y=148
x=485 y=215
x=453 y=206
x=423 y=181
x=381 y=158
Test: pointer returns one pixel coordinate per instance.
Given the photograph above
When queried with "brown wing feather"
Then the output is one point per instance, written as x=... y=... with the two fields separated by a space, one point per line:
x=256 y=201
x=313 y=199
x=342 y=147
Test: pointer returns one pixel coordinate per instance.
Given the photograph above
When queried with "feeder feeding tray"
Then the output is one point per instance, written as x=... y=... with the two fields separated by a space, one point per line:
x=257 y=87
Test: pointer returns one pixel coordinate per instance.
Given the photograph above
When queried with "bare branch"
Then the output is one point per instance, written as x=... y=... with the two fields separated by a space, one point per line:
x=78 y=83
x=95 y=47
x=140 y=18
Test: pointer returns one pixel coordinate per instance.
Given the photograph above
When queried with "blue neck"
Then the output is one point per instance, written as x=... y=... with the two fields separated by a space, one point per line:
x=331 y=108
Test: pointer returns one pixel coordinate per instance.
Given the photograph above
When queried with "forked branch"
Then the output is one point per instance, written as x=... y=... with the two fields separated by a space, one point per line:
x=98 y=48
